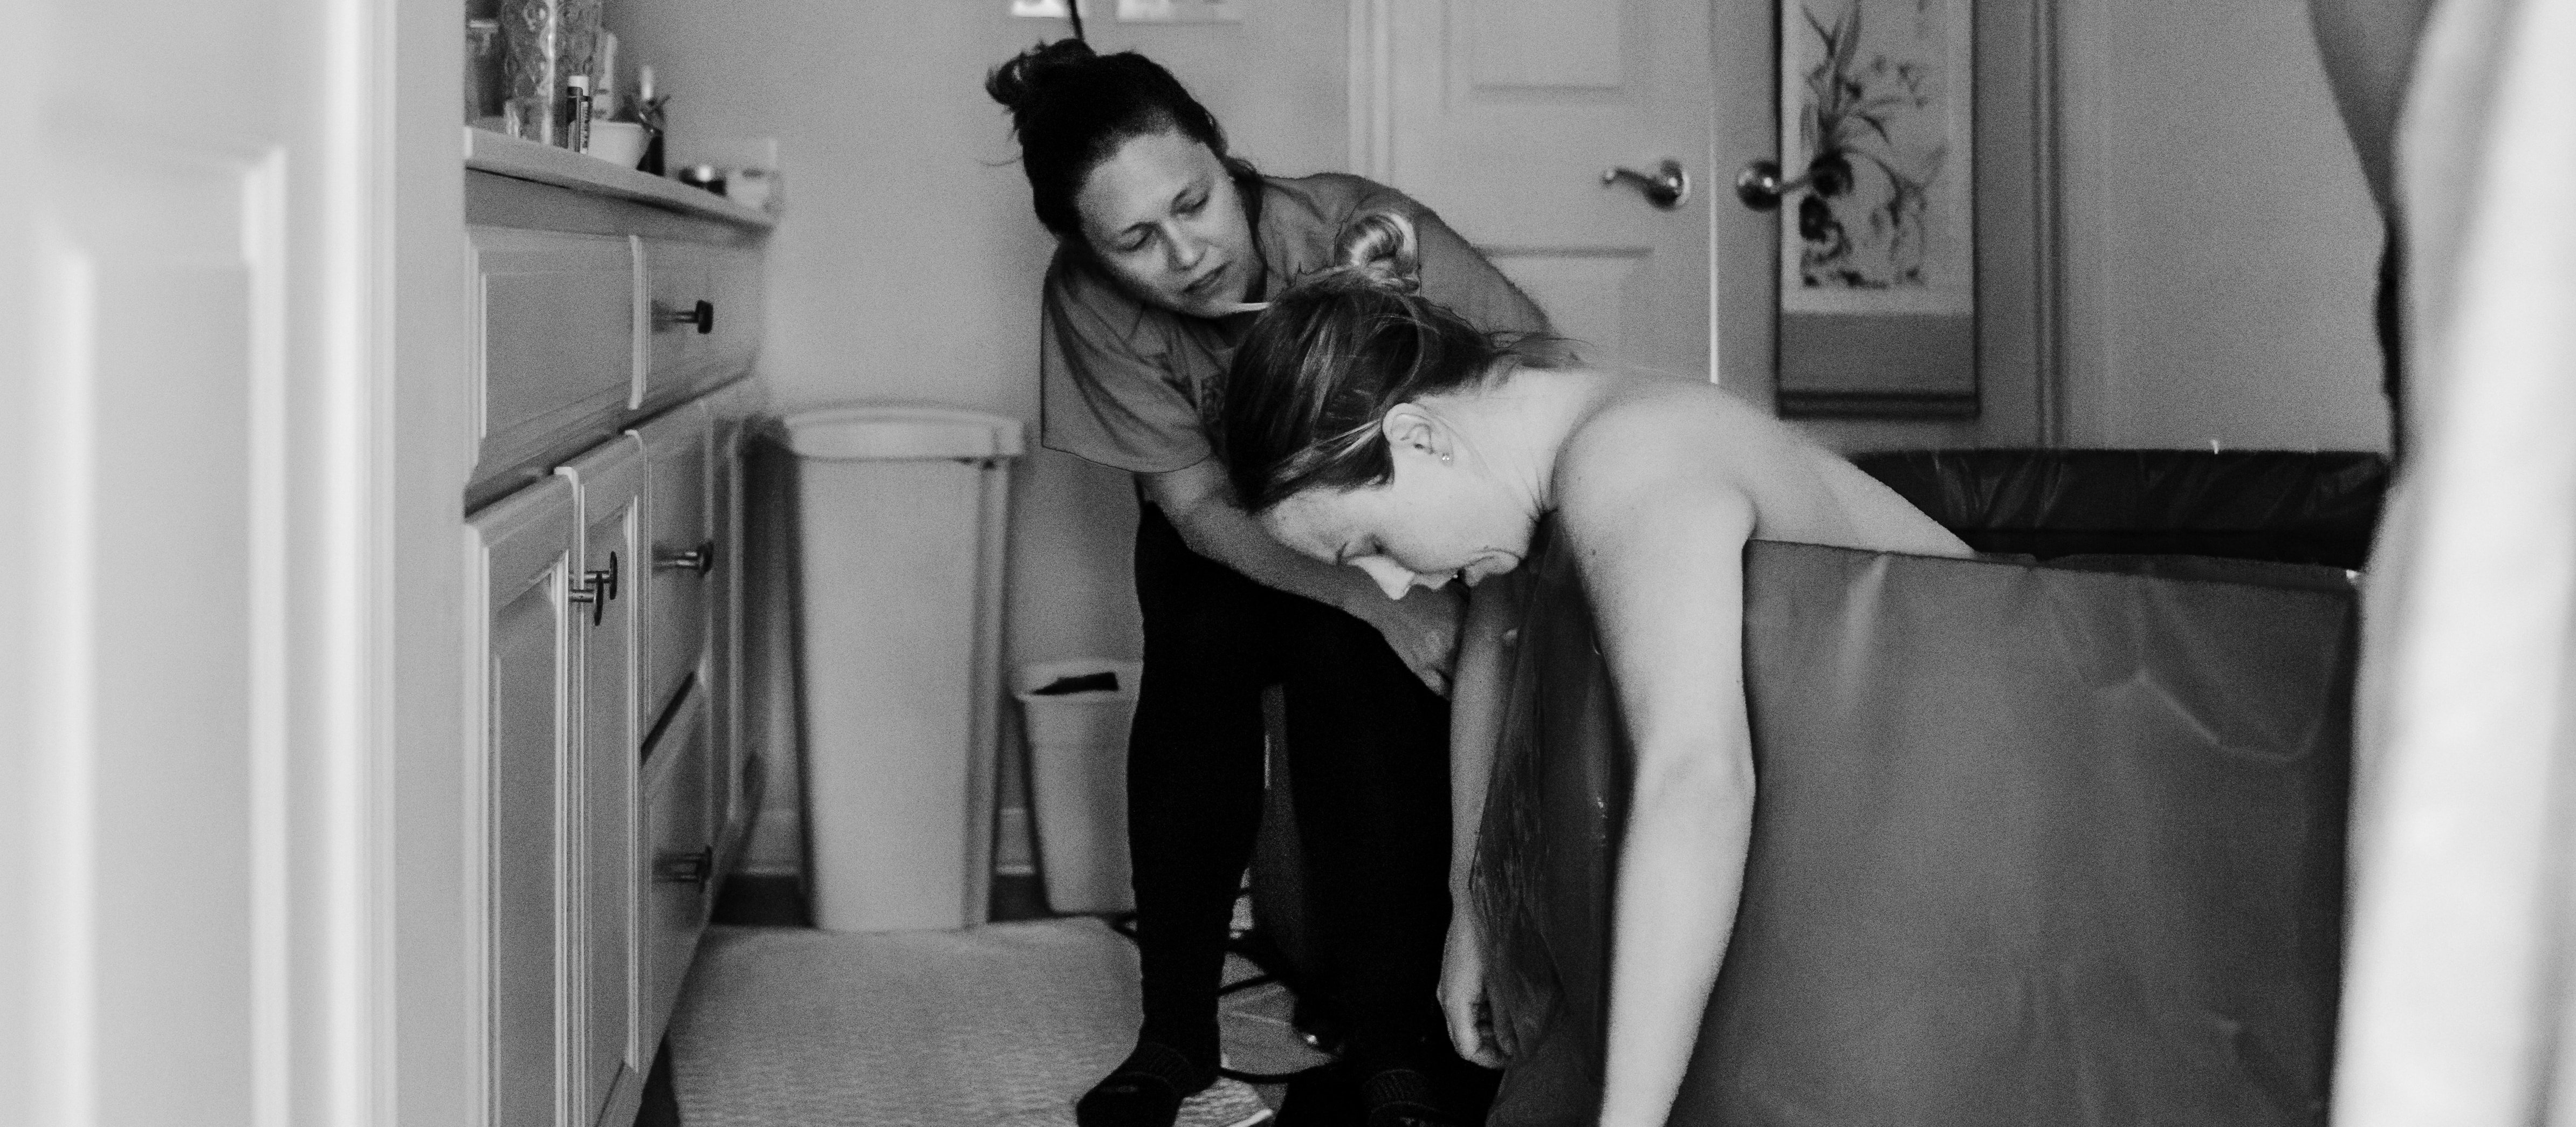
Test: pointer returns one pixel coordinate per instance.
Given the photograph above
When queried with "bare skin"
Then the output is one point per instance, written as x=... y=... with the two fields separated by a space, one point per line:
x=1423 y=630
x=1658 y=484
x=1162 y=216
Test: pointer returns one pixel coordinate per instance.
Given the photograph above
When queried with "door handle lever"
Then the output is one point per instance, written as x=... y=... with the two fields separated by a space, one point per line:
x=1665 y=188
x=1760 y=185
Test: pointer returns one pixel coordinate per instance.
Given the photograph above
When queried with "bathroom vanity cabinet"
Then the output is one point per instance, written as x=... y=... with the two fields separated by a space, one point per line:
x=617 y=319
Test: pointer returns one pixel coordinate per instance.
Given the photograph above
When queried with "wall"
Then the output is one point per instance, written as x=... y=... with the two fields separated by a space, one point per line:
x=2221 y=243
x=907 y=264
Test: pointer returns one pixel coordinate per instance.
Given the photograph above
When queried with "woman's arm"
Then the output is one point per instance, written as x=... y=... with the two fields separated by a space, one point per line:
x=1476 y=714
x=1422 y=628
x=1476 y=701
x=1663 y=565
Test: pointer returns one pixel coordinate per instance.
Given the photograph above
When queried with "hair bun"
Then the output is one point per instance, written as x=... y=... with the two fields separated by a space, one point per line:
x=1022 y=82
x=1381 y=246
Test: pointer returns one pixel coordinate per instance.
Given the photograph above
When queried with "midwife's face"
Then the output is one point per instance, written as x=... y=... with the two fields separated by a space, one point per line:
x=1436 y=521
x=1164 y=218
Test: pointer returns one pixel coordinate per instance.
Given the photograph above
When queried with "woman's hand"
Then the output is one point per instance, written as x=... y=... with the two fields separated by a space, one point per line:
x=1474 y=1025
x=1422 y=628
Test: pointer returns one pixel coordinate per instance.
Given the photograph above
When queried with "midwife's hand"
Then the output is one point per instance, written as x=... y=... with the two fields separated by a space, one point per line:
x=1422 y=628
x=1472 y=1026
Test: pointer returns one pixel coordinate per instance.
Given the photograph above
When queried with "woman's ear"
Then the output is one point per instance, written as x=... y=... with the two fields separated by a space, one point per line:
x=1409 y=427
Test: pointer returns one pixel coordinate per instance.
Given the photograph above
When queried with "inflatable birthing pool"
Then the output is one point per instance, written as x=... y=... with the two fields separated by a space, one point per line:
x=2035 y=843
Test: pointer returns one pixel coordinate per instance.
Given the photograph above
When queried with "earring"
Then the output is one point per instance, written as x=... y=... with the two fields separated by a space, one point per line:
x=1444 y=457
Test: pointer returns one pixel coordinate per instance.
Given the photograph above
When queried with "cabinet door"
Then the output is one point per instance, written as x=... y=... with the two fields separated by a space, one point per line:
x=679 y=870
x=684 y=555
x=724 y=610
x=730 y=413
x=525 y=552
x=609 y=484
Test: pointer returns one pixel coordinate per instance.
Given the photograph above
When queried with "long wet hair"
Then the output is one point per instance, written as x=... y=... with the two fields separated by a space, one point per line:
x=1330 y=357
x=1071 y=108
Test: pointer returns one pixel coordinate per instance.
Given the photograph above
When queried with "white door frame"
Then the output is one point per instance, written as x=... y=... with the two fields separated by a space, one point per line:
x=355 y=1014
x=1371 y=66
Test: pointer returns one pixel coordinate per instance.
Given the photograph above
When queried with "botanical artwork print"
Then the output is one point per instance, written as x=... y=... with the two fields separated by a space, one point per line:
x=1877 y=156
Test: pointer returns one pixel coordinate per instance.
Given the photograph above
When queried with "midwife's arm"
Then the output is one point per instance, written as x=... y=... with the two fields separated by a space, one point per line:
x=1475 y=729
x=1664 y=569
x=1423 y=628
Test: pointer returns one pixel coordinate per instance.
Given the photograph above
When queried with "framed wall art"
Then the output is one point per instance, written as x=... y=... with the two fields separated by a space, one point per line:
x=1878 y=271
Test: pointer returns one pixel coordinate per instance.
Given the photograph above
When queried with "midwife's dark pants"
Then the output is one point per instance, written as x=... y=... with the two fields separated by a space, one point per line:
x=1368 y=758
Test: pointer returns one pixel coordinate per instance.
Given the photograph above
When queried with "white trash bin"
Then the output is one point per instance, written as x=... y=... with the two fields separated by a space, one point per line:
x=900 y=516
x=1078 y=782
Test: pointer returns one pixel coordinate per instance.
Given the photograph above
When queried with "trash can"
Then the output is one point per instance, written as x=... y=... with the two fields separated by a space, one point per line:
x=900 y=516
x=1076 y=714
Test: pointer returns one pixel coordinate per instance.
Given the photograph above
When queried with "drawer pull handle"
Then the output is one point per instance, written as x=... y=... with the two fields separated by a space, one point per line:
x=597 y=588
x=685 y=868
x=701 y=559
x=702 y=314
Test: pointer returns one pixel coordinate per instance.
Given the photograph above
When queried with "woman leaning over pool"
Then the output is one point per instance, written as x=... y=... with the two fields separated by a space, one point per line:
x=1162 y=240
x=1366 y=425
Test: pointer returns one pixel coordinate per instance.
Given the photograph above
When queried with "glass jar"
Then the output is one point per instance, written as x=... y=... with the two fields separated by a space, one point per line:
x=549 y=41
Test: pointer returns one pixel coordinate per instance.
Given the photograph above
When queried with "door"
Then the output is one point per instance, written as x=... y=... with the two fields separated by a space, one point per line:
x=190 y=759
x=610 y=490
x=1503 y=115
x=526 y=552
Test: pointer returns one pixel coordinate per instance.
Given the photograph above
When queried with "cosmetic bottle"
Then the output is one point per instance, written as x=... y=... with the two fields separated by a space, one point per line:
x=576 y=127
x=648 y=109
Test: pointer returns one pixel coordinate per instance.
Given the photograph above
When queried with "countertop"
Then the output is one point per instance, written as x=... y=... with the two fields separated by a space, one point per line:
x=502 y=155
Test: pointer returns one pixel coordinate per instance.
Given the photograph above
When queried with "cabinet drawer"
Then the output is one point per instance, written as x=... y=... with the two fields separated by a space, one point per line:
x=554 y=318
x=705 y=316
x=686 y=558
x=679 y=869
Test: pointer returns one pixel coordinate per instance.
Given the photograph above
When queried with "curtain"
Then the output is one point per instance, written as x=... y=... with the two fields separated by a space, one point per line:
x=2463 y=926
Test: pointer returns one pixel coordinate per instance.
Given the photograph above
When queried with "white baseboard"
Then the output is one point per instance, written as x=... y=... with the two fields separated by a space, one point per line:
x=776 y=846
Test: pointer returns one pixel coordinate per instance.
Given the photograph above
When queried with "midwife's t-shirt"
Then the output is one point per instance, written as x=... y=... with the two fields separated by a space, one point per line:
x=1130 y=385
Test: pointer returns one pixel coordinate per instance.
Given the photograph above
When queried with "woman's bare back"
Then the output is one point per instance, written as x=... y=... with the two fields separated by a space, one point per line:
x=1653 y=437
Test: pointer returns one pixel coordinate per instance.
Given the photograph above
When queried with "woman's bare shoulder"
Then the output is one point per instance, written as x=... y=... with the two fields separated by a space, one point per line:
x=1644 y=468
x=1691 y=452
x=1653 y=437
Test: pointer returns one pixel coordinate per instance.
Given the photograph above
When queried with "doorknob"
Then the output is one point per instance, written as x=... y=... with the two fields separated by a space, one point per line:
x=1760 y=186
x=1666 y=188
x=700 y=559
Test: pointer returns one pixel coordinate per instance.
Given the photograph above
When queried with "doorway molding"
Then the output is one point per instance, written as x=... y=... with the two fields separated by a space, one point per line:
x=1371 y=67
